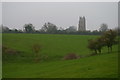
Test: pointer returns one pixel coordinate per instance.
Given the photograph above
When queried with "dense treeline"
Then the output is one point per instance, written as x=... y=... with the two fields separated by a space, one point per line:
x=50 y=28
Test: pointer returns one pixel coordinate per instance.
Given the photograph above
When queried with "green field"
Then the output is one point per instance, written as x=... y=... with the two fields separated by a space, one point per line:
x=55 y=47
x=0 y=56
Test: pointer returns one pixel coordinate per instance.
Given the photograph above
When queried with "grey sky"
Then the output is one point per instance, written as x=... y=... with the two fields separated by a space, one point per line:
x=0 y=13
x=64 y=14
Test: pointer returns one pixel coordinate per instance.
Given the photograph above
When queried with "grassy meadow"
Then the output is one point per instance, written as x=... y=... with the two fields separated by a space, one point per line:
x=0 y=56
x=53 y=48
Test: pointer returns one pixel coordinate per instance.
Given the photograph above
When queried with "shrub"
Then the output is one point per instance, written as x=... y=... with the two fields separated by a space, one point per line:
x=36 y=48
x=71 y=56
x=4 y=48
x=8 y=50
x=11 y=51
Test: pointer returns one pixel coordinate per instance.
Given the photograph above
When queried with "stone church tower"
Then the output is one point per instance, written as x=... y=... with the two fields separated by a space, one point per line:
x=82 y=24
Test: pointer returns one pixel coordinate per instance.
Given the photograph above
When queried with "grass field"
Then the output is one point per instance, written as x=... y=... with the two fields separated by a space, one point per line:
x=55 y=47
x=0 y=56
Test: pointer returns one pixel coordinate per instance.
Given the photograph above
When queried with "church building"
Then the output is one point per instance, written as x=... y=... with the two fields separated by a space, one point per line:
x=82 y=24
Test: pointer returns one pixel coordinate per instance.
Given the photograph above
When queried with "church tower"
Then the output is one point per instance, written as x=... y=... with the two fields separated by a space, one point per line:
x=82 y=24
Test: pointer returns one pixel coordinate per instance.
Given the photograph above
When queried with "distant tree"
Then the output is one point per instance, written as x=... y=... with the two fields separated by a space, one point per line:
x=13 y=31
x=20 y=31
x=29 y=28
x=44 y=28
x=71 y=29
x=5 y=29
x=49 y=28
x=103 y=27
x=61 y=29
x=96 y=32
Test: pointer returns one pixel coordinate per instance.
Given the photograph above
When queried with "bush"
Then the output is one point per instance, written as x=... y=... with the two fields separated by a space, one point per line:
x=71 y=56
x=36 y=49
x=8 y=50
x=4 y=48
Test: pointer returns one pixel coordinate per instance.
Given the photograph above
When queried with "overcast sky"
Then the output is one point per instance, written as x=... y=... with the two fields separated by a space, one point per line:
x=62 y=14
x=0 y=13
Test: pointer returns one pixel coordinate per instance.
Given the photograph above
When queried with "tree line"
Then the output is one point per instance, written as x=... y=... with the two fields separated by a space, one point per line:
x=50 y=28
